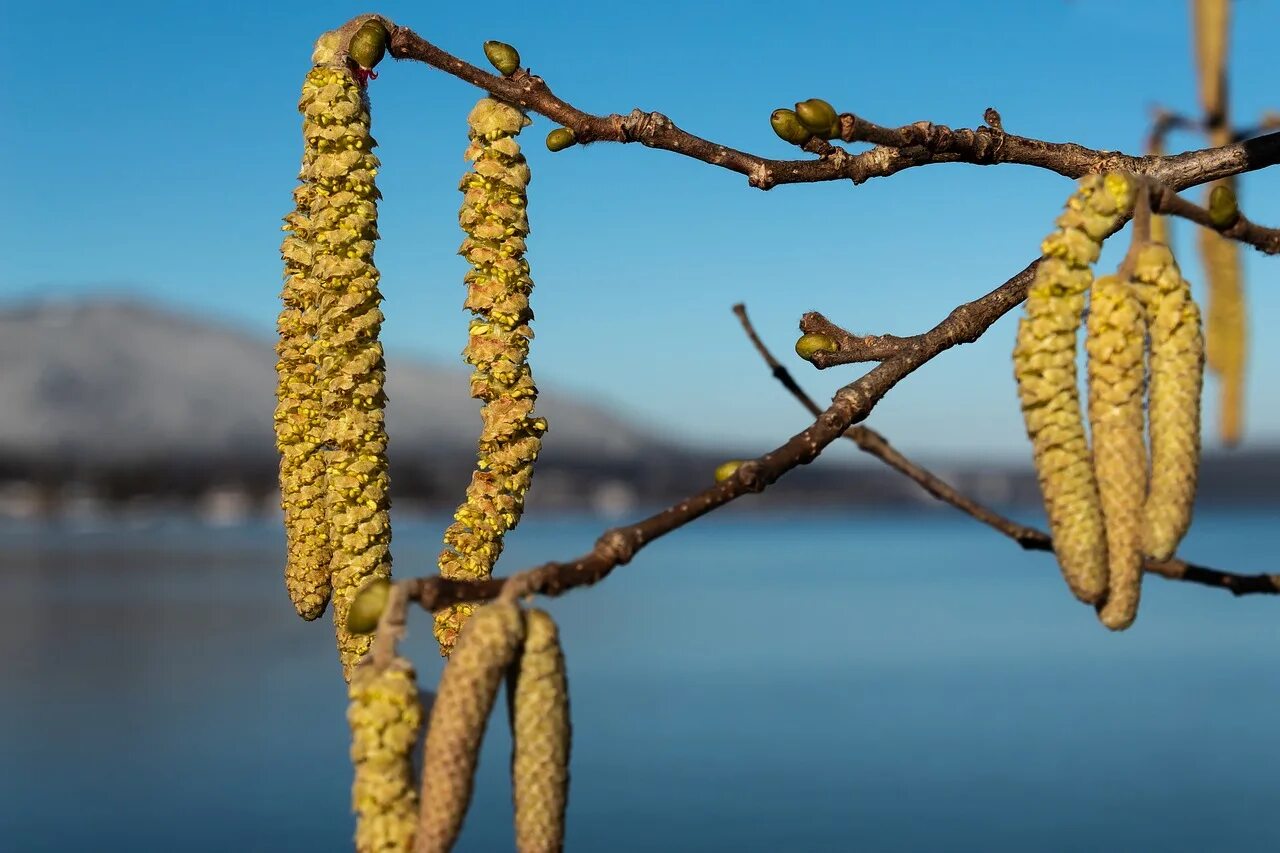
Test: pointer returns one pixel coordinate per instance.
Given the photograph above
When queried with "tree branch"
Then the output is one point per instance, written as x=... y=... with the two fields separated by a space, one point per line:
x=1029 y=538
x=896 y=149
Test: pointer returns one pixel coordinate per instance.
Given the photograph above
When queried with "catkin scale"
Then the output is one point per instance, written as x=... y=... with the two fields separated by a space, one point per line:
x=538 y=708
x=385 y=716
x=1174 y=389
x=1045 y=368
x=468 y=687
x=1115 y=343
x=336 y=502
x=498 y=288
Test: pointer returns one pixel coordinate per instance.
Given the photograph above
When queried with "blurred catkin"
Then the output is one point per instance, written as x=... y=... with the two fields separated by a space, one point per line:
x=1227 y=334
x=468 y=687
x=385 y=716
x=1115 y=342
x=334 y=323
x=1176 y=378
x=1045 y=367
x=1225 y=307
x=498 y=287
x=1211 y=23
x=538 y=705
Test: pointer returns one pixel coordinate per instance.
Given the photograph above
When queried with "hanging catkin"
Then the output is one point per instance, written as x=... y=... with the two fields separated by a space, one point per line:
x=1114 y=342
x=468 y=688
x=344 y=398
x=1176 y=378
x=1226 y=314
x=498 y=288
x=385 y=716
x=298 y=418
x=538 y=705
x=1045 y=367
x=1227 y=335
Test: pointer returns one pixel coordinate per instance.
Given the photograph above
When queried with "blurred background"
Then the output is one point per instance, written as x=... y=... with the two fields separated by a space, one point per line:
x=837 y=663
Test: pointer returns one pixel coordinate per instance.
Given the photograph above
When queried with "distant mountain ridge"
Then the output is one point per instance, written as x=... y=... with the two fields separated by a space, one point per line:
x=125 y=399
x=98 y=385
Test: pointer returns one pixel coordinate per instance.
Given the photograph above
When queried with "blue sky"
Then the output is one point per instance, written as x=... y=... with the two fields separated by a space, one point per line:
x=150 y=150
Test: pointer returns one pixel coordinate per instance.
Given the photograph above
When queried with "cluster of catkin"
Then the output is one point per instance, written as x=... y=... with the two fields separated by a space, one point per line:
x=494 y=217
x=329 y=420
x=1111 y=507
x=500 y=640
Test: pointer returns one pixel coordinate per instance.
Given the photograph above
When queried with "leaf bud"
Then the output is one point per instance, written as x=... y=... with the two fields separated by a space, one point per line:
x=817 y=115
x=812 y=343
x=368 y=45
x=560 y=139
x=788 y=127
x=1224 y=210
x=368 y=605
x=725 y=470
x=502 y=56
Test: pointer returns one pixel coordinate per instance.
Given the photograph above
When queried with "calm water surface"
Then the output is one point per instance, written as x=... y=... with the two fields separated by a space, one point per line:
x=750 y=683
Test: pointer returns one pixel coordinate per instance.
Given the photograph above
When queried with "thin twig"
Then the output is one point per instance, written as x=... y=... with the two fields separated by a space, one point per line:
x=896 y=149
x=1029 y=538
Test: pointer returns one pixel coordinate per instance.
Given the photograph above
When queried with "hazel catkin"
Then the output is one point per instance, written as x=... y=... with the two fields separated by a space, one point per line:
x=468 y=687
x=1115 y=342
x=385 y=716
x=498 y=291
x=1226 y=332
x=1045 y=368
x=538 y=707
x=349 y=369
x=1174 y=389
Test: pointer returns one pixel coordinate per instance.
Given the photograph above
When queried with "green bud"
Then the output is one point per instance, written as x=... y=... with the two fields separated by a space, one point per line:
x=560 y=139
x=1224 y=210
x=817 y=115
x=788 y=127
x=367 y=608
x=834 y=132
x=368 y=45
x=725 y=470
x=812 y=343
x=502 y=56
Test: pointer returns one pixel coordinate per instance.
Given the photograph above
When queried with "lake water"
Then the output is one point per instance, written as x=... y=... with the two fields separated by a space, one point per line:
x=753 y=682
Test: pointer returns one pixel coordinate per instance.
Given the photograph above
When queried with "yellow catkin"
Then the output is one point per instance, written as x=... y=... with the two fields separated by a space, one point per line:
x=1227 y=334
x=538 y=705
x=338 y=176
x=1177 y=375
x=385 y=716
x=1211 y=22
x=1045 y=367
x=1115 y=342
x=298 y=420
x=498 y=288
x=468 y=687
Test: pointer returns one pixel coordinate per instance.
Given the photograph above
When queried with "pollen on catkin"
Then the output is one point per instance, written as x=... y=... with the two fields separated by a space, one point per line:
x=298 y=422
x=1176 y=378
x=385 y=716
x=1045 y=367
x=468 y=687
x=538 y=706
x=498 y=288
x=347 y=505
x=1115 y=342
